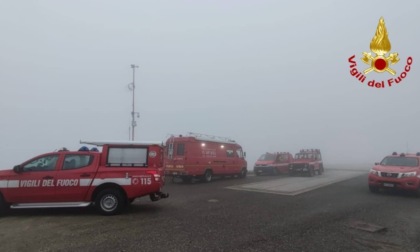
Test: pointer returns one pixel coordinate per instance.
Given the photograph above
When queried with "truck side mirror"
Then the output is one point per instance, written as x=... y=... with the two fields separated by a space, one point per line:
x=376 y=163
x=17 y=168
x=244 y=153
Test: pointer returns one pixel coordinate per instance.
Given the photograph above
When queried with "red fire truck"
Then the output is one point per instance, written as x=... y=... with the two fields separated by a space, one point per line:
x=109 y=179
x=273 y=163
x=203 y=156
x=307 y=161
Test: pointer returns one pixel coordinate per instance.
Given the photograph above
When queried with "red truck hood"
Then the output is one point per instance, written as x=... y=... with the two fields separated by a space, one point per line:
x=260 y=162
x=303 y=161
x=6 y=173
x=392 y=169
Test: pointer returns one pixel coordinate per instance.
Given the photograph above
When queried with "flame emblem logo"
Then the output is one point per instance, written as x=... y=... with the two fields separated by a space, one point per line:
x=380 y=45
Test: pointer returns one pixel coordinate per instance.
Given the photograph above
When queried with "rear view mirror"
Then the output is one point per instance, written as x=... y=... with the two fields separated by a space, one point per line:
x=244 y=153
x=17 y=168
x=376 y=163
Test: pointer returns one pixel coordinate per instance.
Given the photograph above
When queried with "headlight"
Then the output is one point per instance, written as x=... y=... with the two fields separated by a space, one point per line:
x=408 y=174
x=375 y=172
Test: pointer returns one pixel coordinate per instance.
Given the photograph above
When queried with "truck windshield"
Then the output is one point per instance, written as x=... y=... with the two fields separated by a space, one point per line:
x=267 y=157
x=304 y=156
x=400 y=161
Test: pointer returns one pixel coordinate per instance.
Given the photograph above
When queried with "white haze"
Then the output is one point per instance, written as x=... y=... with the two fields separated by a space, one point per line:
x=273 y=75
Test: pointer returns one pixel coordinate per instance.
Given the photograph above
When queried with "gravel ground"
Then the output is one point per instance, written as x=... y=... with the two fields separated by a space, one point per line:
x=209 y=217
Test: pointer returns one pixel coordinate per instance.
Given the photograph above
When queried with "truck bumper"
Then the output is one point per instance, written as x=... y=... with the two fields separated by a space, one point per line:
x=406 y=184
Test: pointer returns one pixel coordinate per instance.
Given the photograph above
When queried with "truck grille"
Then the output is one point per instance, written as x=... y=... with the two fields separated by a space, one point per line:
x=389 y=175
x=299 y=166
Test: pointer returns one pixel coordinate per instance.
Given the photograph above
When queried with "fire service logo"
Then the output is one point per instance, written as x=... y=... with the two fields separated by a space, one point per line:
x=380 y=60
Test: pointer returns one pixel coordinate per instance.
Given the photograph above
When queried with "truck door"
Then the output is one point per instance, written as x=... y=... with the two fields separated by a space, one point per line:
x=35 y=183
x=283 y=163
x=75 y=176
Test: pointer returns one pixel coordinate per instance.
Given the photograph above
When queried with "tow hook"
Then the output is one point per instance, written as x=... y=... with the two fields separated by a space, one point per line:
x=159 y=195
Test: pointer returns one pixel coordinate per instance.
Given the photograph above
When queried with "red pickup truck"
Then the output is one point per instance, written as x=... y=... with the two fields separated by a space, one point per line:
x=109 y=179
x=401 y=172
x=273 y=163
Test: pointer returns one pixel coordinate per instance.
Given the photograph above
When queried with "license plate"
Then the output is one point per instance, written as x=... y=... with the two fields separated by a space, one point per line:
x=174 y=173
x=388 y=185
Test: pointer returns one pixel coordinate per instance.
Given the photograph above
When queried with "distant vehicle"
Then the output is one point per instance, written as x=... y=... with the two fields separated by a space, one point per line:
x=307 y=161
x=203 y=156
x=109 y=180
x=273 y=163
x=397 y=172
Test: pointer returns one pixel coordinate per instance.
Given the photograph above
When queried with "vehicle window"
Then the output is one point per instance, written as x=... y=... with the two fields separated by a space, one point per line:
x=180 y=149
x=229 y=153
x=400 y=161
x=46 y=163
x=282 y=157
x=135 y=156
x=239 y=152
x=267 y=157
x=77 y=161
x=170 y=150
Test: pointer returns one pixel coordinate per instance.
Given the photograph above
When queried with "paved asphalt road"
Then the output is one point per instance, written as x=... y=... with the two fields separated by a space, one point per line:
x=210 y=217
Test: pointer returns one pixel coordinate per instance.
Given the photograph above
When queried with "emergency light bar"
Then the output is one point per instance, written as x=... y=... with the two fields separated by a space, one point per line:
x=101 y=143
x=310 y=150
x=204 y=137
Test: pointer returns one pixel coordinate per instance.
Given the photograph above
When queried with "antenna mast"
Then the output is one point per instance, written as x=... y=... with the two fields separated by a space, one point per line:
x=133 y=113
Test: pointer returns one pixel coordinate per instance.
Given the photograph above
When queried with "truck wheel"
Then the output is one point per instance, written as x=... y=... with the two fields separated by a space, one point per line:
x=243 y=173
x=321 y=170
x=311 y=172
x=257 y=173
x=3 y=205
x=109 y=202
x=373 y=189
x=417 y=192
x=275 y=171
x=208 y=175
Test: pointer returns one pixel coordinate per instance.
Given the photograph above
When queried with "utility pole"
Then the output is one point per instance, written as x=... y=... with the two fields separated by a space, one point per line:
x=133 y=113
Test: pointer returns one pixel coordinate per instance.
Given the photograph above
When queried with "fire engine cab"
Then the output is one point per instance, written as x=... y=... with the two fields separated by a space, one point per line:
x=307 y=161
x=203 y=156
x=273 y=163
x=109 y=179
x=396 y=172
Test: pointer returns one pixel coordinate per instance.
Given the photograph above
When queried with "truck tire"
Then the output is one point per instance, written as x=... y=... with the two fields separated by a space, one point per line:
x=311 y=172
x=373 y=189
x=109 y=201
x=243 y=173
x=208 y=175
x=417 y=192
x=3 y=205
x=321 y=170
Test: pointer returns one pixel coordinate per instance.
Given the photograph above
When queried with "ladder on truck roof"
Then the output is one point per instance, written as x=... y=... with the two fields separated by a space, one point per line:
x=205 y=137
x=101 y=143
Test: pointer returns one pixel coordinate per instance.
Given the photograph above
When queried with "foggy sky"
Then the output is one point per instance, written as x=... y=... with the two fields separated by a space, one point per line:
x=273 y=75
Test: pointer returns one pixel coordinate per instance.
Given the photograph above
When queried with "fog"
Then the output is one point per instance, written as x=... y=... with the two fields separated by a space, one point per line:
x=272 y=75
